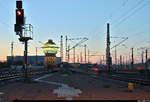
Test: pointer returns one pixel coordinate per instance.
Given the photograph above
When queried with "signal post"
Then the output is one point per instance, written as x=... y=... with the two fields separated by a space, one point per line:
x=25 y=32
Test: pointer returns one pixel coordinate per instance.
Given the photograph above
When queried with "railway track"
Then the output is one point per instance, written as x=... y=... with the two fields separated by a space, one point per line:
x=133 y=80
x=9 y=76
x=126 y=77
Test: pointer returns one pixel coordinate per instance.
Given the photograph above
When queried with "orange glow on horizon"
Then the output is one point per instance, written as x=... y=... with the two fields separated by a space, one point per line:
x=2 y=59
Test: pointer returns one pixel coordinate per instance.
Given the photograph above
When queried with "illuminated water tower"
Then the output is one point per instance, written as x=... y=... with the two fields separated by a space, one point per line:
x=50 y=49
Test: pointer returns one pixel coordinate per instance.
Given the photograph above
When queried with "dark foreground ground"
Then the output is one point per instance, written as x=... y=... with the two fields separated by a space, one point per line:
x=92 y=87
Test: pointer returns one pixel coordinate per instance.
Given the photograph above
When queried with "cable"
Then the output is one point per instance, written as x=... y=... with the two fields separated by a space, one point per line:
x=139 y=43
x=130 y=10
x=125 y=2
x=111 y=15
x=135 y=11
x=127 y=17
x=139 y=33
x=116 y=10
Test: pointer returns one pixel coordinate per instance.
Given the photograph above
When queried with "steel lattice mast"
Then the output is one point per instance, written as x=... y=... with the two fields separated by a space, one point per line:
x=108 y=58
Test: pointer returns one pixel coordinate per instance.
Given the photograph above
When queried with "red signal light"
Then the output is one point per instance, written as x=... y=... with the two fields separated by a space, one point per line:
x=95 y=69
x=139 y=68
x=19 y=13
x=19 y=16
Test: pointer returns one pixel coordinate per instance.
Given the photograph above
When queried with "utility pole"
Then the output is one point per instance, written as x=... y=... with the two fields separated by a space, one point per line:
x=61 y=48
x=103 y=59
x=124 y=39
x=132 y=62
x=88 y=56
x=36 y=57
x=68 y=52
x=74 y=58
x=100 y=60
x=66 y=49
x=108 y=58
x=26 y=58
x=146 y=63
x=80 y=57
x=77 y=58
x=77 y=44
x=103 y=62
x=115 y=56
x=142 y=55
x=85 y=53
x=129 y=59
x=123 y=61
x=120 y=61
x=126 y=61
x=12 y=55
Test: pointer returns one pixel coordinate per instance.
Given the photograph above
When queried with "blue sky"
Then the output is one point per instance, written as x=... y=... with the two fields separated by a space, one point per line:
x=77 y=18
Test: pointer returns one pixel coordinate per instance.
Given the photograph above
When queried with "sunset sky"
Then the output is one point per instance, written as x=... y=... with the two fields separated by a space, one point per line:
x=78 y=18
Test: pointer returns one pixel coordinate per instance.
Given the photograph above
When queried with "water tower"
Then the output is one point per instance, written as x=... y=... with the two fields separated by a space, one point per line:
x=50 y=49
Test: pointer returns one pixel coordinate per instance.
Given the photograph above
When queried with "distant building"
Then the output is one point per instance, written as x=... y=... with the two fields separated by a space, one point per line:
x=32 y=59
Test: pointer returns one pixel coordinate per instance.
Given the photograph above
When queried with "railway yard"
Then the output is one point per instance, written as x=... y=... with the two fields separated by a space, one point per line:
x=78 y=50
x=73 y=84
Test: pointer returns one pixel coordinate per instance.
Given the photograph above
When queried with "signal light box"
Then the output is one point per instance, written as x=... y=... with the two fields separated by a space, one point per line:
x=20 y=17
x=19 y=4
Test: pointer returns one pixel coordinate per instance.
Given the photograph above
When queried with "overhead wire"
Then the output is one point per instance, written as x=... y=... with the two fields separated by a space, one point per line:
x=136 y=8
x=127 y=12
x=117 y=10
x=111 y=16
x=139 y=33
x=135 y=11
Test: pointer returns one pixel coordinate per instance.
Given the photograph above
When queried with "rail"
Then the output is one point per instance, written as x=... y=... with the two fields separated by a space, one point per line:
x=10 y=76
x=133 y=80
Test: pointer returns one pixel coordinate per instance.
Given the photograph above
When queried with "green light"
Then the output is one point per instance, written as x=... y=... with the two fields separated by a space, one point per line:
x=50 y=48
